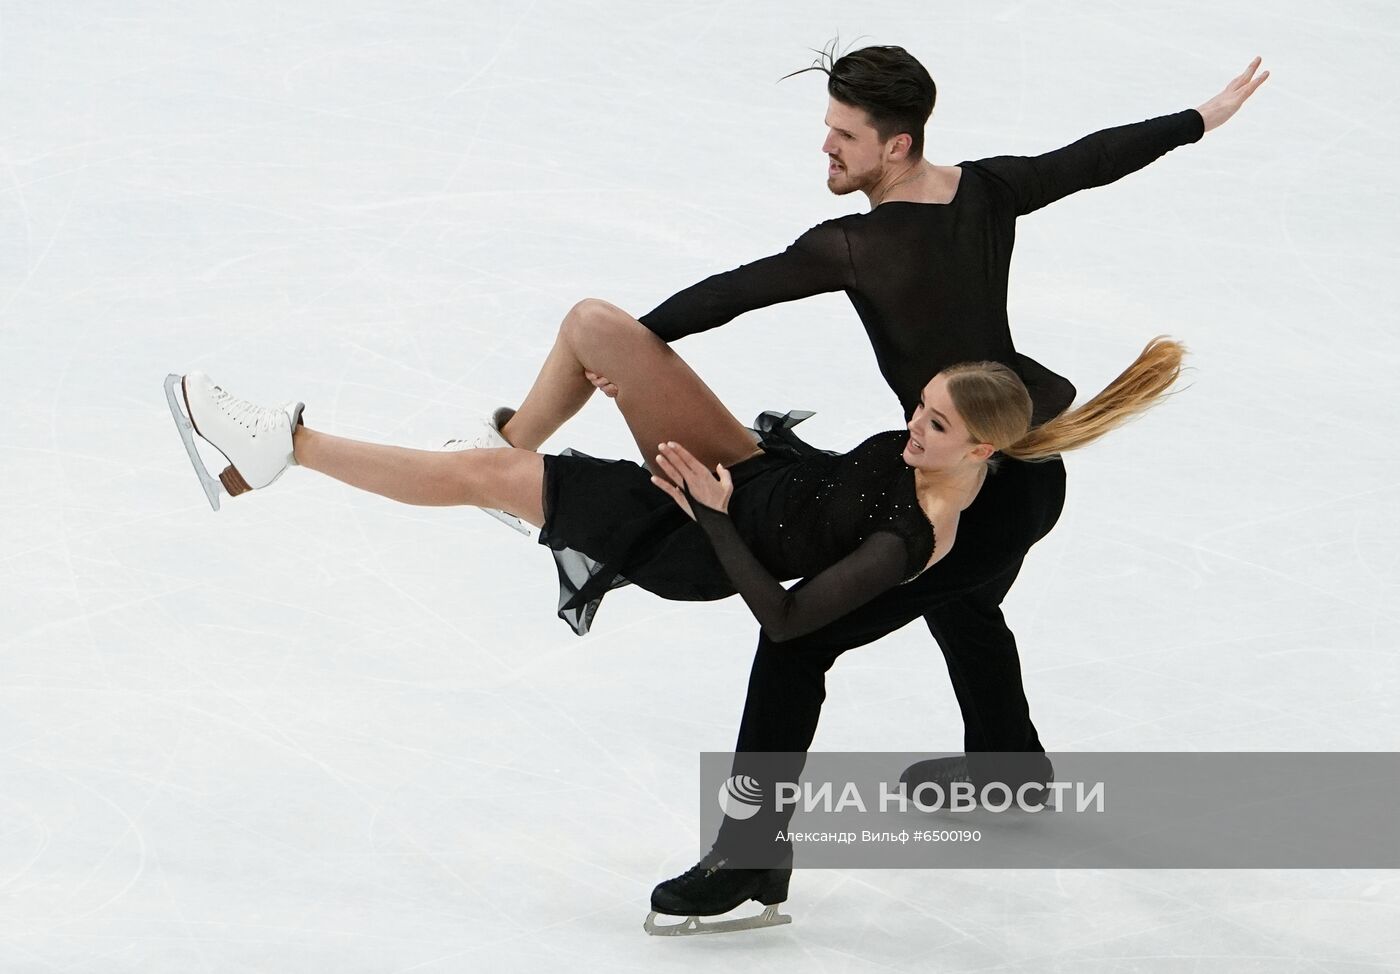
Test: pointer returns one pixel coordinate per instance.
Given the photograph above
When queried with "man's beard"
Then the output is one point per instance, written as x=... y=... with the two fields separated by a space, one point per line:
x=844 y=183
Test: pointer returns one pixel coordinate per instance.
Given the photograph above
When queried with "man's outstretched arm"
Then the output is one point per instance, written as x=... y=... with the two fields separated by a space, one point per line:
x=1109 y=155
x=819 y=261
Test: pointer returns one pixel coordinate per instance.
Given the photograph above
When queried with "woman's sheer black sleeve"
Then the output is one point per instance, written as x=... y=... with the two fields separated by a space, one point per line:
x=1095 y=160
x=879 y=564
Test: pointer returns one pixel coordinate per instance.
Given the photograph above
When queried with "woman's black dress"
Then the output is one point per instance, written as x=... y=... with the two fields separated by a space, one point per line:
x=852 y=520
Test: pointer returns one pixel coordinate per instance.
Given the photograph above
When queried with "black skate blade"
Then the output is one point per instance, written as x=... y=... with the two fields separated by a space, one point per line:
x=187 y=435
x=694 y=926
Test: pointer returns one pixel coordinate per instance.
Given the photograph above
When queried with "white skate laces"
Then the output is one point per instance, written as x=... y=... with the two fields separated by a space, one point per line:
x=488 y=435
x=252 y=417
x=256 y=440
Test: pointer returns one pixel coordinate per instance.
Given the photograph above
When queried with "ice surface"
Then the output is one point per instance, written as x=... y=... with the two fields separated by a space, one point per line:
x=320 y=732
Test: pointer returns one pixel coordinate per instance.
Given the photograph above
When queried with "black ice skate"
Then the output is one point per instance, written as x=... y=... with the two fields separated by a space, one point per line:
x=942 y=772
x=708 y=889
x=945 y=772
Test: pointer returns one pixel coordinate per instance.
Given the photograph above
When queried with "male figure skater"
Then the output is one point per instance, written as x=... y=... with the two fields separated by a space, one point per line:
x=926 y=270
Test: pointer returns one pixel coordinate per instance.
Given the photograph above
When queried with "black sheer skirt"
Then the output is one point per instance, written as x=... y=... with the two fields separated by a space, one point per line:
x=607 y=525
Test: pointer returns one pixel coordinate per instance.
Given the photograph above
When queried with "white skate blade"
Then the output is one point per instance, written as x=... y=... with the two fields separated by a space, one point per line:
x=693 y=926
x=510 y=520
x=187 y=434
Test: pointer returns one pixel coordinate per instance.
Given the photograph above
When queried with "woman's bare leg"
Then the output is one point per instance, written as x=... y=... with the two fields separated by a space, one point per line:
x=559 y=392
x=508 y=480
x=660 y=396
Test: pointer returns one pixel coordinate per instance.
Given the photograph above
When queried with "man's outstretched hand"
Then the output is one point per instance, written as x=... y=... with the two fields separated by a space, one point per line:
x=1218 y=110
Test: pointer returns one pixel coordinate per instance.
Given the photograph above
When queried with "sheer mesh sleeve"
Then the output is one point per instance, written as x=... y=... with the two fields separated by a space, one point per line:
x=1095 y=160
x=879 y=564
x=817 y=262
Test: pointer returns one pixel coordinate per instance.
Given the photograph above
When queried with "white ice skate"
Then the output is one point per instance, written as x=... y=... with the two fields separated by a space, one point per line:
x=256 y=440
x=490 y=437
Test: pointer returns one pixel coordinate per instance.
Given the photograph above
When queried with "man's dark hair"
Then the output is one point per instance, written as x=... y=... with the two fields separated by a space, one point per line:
x=889 y=83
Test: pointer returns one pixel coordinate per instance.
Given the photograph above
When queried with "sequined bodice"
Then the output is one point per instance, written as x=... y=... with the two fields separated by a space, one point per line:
x=803 y=516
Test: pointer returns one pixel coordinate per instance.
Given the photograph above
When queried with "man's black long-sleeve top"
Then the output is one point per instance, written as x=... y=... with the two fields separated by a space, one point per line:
x=929 y=281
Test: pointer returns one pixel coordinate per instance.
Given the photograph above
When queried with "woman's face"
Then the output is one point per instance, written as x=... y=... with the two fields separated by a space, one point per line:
x=938 y=437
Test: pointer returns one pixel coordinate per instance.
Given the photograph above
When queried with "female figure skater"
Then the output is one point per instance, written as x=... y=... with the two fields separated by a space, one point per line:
x=856 y=524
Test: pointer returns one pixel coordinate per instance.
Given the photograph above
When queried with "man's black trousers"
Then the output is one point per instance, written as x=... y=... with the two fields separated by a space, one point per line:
x=960 y=600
